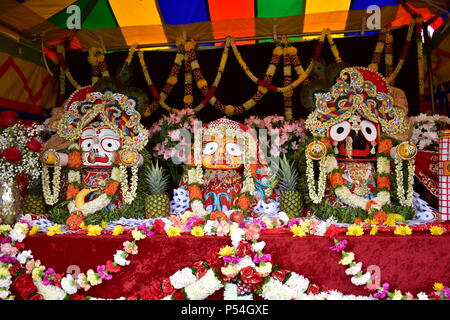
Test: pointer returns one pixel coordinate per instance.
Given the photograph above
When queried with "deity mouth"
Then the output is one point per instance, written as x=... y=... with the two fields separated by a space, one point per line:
x=360 y=149
x=97 y=160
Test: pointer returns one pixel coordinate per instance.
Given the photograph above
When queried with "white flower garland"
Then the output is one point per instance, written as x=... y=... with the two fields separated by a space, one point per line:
x=51 y=196
x=316 y=195
x=347 y=197
x=405 y=197
x=129 y=192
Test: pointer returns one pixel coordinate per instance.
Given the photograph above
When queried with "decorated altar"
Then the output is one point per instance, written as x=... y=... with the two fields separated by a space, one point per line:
x=145 y=185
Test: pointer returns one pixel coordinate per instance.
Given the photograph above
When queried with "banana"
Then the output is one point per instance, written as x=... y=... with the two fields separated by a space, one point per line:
x=79 y=198
x=396 y=217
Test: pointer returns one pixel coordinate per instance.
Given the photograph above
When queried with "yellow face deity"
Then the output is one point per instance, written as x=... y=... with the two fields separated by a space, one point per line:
x=222 y=153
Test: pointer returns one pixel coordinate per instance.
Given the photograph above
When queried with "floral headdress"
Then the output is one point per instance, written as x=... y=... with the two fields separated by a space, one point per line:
x=114 y=109
x=357 y=90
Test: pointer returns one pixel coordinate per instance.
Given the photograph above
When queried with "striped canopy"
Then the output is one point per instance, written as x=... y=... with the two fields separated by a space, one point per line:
x=119 y=23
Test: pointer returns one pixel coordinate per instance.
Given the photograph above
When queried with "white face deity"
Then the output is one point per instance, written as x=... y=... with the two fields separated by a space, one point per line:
x=99 y=145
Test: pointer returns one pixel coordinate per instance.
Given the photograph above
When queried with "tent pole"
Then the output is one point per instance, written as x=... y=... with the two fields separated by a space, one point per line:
x=154 y=45
x=429 y=65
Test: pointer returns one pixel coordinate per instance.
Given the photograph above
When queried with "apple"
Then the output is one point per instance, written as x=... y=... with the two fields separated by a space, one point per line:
x=237 y=216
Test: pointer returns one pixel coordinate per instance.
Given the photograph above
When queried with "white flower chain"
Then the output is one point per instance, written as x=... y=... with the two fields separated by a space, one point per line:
x=129 y=192
x=51 y=197
x=405 y=197
x=316 y=195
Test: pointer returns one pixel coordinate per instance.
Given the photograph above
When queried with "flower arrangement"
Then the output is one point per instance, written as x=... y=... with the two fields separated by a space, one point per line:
x=287 y=133
x=171 y=137
x=19 y=148
x=359 y=278
x=426 y=130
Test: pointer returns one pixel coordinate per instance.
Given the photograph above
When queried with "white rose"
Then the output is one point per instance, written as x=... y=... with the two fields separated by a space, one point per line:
x=259 y=246
x=69 y=285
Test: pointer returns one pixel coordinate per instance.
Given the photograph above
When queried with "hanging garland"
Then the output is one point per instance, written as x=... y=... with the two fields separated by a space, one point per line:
x=287 y=78
x=385 y=43
x=230 y=110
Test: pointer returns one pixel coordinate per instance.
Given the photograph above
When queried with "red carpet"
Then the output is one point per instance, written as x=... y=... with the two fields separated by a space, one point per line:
x=409 y=263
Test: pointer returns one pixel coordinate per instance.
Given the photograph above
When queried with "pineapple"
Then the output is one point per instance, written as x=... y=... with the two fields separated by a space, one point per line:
x=34 y=202
x=157 y=203
x=290 y=201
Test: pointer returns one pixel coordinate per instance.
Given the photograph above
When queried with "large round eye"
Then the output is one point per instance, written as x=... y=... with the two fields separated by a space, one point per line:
x=110 y=144
x=210 y=148
x=87 y=144
x=233 y=149
x=340 y=131
x=369 y=130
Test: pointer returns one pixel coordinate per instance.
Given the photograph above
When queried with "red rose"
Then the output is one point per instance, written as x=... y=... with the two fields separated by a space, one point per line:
x=36 y=297
x=15 y=268
x=57 y=280
x=12 y=154
x=178 y=295
x=77 y=297
x=167 y=287
x=34 y=145
x=251 y=277
x=313 y=289
x=280 y=275
x=332 y=231
x=200 y=272
x=132 y=298
x=23 y=286
x=198 y=222
x=111 y=267
x=244 y=249
x=7 y=118
x=153 y=292
x=158 y=227
x=20 y=245
x=212 y=258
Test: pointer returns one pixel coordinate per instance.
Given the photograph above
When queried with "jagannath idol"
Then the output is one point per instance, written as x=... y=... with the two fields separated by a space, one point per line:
x=358 y=130
x=227 y=173
x=106 y=139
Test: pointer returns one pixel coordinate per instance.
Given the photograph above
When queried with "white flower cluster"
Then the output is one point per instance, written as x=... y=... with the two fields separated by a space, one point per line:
x=425 y=131
x=298 y=283
x=361 y=280
x=182 y=278
x=17 y=136
x=204 y=287
x=50 y=292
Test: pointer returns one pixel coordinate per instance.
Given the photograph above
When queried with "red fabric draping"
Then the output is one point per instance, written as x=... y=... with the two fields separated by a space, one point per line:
x=409 y=263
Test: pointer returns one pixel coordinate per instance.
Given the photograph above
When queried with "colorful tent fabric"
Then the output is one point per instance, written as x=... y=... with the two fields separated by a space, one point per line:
x=26 y=86
x=119 y=23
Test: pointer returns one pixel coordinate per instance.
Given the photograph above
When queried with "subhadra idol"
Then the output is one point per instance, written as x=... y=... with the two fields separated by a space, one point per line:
x=357 y=129
x=106 y=135
x=227 y=172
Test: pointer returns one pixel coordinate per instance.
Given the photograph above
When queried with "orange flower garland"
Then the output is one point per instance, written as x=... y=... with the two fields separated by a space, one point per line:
x=336 y=179
x=72 y=191
x=74 y=160
x=194 y=192
x=111 y=188
x=218 y=215
x=385 y=146
x=383 y=182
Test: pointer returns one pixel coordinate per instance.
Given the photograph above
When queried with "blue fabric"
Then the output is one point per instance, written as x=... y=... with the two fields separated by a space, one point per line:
x=363 y=4
x=183 y=11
